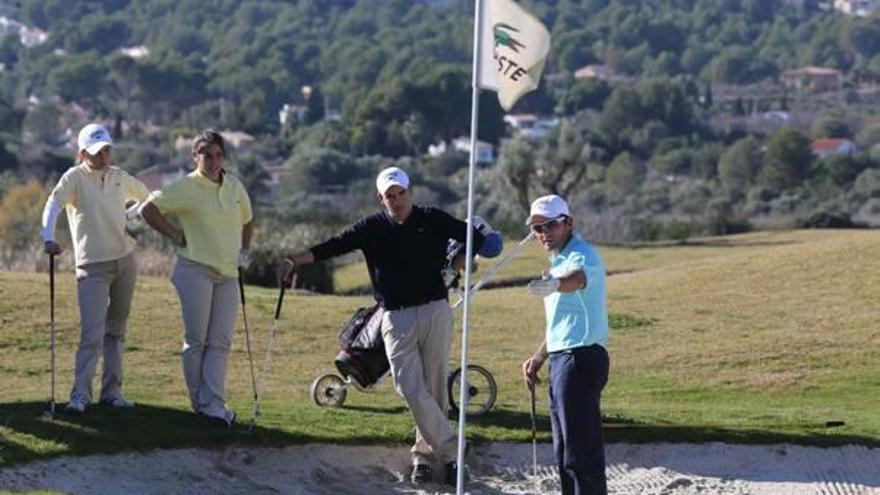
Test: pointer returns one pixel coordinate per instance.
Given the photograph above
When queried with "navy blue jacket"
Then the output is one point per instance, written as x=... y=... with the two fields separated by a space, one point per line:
x=404 y=260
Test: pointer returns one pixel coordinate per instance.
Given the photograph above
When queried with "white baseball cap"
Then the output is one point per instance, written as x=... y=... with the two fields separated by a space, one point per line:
x=391 y=176
x=550 y=206
x=93 y=138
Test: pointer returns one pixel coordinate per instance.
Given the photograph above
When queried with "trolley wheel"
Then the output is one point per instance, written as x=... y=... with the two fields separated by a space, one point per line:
x=329 y=390
x=481 y=387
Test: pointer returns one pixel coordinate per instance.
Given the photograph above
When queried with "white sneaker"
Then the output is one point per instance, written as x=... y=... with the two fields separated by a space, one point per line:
x=118 y=402
x=227 y=419
x=77 y=405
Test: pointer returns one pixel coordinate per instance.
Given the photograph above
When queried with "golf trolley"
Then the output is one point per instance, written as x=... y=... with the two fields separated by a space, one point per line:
x=362 y=364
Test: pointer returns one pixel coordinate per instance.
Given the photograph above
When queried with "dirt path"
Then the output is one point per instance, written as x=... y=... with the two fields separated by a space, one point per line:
x=714 y=468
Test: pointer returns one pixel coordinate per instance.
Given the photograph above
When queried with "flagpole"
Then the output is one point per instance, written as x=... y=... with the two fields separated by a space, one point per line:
x=469 y=245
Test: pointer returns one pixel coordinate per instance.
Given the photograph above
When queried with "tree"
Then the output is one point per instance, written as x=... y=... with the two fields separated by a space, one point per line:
x=74 y=79
x=739 y=165
x=314 y=106
x=832 y=125
x=19 y=221
x=42 y=125
x=788 y=159
x=320 y=169
x=625 y=174
x=583 y=94
x=515 y=171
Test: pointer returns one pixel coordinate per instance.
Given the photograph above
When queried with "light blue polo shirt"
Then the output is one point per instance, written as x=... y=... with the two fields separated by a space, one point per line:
x=579 y=318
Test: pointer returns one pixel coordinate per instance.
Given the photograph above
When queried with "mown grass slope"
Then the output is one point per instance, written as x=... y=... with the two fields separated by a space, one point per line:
x=755 y=338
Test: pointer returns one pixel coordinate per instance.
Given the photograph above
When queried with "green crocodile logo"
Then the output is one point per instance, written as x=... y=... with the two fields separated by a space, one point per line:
x=504 y=38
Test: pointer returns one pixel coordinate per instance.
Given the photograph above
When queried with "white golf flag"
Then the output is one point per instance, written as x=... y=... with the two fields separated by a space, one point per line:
x=514 y=46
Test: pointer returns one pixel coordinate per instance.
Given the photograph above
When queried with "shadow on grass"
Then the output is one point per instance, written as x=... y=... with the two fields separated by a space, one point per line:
x=376 y=409
x=621 y=429
x=28 y=433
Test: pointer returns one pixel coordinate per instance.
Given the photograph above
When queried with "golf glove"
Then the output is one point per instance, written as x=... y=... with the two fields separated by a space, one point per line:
x=543 y=287
x=244 y=258
x=482 y=225
x=450 y=278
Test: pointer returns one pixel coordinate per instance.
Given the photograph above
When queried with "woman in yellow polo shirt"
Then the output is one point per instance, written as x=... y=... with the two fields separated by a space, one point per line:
x=94 y=194
x=213 y=232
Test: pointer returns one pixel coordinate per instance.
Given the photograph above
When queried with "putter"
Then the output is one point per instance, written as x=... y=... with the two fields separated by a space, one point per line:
x=534 y=436
x=268 y=359
x=52 y=334
x=247 y=334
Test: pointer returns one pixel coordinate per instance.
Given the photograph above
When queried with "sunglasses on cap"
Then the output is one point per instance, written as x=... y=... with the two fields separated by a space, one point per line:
x=544 y=227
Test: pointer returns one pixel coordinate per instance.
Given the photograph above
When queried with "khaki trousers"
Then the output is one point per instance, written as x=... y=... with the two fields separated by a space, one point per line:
x=417 y=342
x=104 y=291
x=209 y=302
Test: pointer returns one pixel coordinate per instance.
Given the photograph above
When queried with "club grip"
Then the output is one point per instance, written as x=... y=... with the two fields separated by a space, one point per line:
x=278 y=306
x=281 y=296
x=241 y=285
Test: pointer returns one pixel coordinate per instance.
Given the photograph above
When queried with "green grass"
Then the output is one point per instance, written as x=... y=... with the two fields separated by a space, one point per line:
x=757 y=338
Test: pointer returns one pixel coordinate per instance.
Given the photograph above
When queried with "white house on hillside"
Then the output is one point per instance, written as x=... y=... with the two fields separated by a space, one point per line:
x=530 y=125
x=861 y=8
x=463 y=145
x=157 y=177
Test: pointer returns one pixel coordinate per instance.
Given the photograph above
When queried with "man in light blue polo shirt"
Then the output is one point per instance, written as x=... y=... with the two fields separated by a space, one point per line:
x=576 y=343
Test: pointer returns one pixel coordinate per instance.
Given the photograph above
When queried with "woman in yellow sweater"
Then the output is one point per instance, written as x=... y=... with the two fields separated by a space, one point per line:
x=213 y=232
x=94 y=194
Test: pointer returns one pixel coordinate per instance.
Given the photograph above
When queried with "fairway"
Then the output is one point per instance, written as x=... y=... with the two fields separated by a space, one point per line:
x=760 y=338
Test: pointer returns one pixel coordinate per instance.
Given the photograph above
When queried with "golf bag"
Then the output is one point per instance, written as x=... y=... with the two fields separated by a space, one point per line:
x=362 y=350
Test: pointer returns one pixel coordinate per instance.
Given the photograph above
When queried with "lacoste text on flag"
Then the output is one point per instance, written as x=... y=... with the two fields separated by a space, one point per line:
x=514 y=47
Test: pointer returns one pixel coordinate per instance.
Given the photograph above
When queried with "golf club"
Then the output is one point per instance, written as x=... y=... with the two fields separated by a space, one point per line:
x=498 y=266
x=52 y=333
x=534 y=436
x=269 y=344
x=247 y=334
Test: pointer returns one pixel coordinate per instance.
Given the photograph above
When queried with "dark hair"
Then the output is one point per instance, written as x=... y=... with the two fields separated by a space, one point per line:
x=207 y=137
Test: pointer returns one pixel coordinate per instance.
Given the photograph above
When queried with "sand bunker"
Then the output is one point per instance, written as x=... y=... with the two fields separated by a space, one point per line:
x=713 y=468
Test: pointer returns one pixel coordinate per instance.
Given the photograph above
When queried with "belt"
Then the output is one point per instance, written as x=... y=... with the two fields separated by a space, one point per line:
x=578 y=350
x=397 y=307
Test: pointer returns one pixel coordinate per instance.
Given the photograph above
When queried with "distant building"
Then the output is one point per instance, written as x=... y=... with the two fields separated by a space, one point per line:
x=31 y=37
x=595 y=71
x=832 y=146
x=157 y=177
x=236 y=138
x=274 y=177
x=861 y=8
x=463 y=145
x=291 y=110
x=519 y=121
x=435 y=150
x=530 y=125
x=135 y=52
x=816 y=79
x=9 y=26
x=484 y=149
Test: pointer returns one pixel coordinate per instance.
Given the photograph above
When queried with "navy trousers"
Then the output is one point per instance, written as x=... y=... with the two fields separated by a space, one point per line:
x=577 y=377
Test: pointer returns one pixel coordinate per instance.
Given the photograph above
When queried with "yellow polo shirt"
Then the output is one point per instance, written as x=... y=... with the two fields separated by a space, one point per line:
x=211 y=216
x=95 y=204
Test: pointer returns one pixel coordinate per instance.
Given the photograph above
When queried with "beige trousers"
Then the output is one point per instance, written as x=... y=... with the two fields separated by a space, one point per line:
x=417 y=341
x=209 y=302
x=104 y=291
